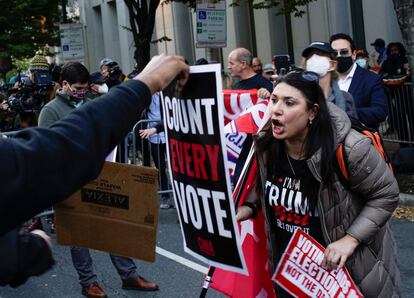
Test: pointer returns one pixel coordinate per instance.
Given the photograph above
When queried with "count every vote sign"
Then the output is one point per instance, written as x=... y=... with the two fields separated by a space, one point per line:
x=197 y=159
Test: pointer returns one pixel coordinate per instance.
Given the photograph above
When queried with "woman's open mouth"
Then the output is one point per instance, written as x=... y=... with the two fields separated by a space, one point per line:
x=277 y=126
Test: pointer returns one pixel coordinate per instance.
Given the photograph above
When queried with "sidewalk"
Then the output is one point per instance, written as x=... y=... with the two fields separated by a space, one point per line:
x=406 y=199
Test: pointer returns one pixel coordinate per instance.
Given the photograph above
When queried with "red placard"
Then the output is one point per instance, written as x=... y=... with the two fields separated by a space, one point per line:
x=300 y=272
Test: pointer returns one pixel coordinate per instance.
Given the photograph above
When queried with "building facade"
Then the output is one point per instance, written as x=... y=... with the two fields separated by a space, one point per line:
x=261 y=31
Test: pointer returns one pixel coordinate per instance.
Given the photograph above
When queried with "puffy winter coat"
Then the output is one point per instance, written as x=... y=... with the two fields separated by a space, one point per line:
x=363 y=211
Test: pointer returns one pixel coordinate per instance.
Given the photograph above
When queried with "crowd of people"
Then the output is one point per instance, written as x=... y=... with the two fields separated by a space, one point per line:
x=312 y=110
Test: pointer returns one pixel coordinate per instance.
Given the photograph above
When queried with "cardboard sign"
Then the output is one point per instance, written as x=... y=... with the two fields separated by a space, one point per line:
x=300 y=273
x=197 y=160
x=116 y=213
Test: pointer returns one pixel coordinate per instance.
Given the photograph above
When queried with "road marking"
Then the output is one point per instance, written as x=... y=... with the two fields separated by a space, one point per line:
x=181 y=260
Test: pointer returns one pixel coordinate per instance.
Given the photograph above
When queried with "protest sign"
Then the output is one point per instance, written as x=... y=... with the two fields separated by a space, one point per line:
x=238 y=101
x=235 y=132
x=197 y=159
x=300 y=272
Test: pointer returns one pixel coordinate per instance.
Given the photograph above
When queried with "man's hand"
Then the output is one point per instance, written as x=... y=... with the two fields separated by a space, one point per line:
x=146 y=133
x=263 y=93
x=162 y=70
x=4 y=105
x=44 y=236
x=338 y=252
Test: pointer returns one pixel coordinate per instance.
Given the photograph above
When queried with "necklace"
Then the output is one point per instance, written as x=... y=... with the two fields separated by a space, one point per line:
x=290 y=164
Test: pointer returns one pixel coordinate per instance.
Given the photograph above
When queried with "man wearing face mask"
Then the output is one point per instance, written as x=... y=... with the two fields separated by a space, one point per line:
x=362 y=58
x=75 y=82
x=319 y=58
x=365 y=86
x=98 y=84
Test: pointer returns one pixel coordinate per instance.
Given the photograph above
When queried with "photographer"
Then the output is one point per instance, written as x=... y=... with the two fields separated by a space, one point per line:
x=112 y=72
x=31 y=93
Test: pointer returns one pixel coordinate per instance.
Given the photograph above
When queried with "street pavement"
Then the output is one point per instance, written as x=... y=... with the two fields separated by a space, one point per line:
x=176 y=277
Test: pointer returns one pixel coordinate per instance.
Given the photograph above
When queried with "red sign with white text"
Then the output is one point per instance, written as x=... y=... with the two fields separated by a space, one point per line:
x=300 y=272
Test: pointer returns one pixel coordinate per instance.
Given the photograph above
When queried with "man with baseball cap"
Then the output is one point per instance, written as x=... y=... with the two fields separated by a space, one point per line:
x=111 y=71
x=379 y=45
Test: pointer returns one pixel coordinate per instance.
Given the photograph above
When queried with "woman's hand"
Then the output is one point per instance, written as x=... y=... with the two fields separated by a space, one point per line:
x=243 y=213
x=146 y=133
x=338 y=252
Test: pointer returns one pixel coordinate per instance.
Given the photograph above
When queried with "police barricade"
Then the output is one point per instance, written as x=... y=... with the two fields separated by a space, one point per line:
x=149 y=152
x=399 y=126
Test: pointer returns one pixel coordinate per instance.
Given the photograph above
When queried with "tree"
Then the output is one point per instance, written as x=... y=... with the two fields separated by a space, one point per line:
x=142 y=20
x=405 y=16
x=28 y=25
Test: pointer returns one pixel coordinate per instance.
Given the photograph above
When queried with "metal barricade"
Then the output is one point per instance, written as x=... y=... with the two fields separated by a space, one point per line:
x=399 y=126
x=149 y=153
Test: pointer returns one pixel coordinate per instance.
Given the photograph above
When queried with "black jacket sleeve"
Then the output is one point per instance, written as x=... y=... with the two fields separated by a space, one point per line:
x=40 y=167
x=22 y=255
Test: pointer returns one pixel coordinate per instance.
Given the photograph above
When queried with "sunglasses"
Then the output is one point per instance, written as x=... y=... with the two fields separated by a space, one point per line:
x=309 y=76
x=341 y=53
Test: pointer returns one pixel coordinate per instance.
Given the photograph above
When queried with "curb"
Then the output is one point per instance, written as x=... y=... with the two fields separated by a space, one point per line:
x=406 y=199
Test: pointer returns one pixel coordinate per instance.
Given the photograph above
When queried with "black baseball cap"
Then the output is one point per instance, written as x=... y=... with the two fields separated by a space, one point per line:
x=379 y=42
x=317 y=45
x=97 y=78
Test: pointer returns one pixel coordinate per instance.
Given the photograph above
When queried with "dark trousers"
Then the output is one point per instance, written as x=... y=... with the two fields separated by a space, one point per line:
x=158 y=153
x=82 y=262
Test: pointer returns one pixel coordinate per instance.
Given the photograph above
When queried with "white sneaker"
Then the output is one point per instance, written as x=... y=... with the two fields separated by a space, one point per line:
x=166 y=203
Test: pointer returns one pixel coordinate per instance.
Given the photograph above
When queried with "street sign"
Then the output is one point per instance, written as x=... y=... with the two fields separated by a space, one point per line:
x=72 y=42
x=211 y=24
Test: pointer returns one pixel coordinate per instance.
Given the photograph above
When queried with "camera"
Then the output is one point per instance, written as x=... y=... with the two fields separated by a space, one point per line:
x=114 y=70
x=282 y=63
x=31 y=96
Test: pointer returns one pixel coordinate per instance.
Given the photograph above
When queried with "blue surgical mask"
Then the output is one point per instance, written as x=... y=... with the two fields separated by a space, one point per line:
x=361 y=62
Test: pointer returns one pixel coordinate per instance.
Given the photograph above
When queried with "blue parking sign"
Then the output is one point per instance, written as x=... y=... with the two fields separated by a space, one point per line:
x=202 y=14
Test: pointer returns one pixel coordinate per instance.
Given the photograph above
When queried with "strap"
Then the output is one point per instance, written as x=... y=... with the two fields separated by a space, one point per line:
x=379 y=146
x=341 y=162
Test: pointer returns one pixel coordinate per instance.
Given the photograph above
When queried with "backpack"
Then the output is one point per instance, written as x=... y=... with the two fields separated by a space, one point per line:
x=376 y=142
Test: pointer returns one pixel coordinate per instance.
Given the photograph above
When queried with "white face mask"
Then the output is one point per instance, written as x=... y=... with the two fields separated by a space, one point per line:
x=102 y=89
x=318 y=64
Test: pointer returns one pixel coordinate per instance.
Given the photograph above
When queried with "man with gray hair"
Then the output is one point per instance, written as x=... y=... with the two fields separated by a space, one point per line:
x=240 y=67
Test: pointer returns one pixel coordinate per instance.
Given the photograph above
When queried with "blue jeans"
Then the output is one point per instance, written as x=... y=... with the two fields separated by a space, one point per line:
x=82 y=262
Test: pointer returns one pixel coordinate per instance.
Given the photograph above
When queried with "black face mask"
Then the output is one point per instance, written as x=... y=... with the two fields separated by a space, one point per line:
x=344 y=64
x=394 y=56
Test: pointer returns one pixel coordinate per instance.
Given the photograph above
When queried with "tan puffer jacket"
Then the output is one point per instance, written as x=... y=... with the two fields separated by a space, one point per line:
x=362 y=211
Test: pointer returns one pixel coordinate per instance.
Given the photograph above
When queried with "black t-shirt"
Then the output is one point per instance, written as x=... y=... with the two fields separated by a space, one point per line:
x=255 y=82
x=288 y=207
x=394 y=67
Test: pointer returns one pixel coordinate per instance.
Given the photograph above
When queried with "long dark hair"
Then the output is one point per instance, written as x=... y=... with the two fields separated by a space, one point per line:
x=320 y=134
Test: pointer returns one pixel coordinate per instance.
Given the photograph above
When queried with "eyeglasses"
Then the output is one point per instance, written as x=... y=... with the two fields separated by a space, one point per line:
x=309 y=76
x=341 y=53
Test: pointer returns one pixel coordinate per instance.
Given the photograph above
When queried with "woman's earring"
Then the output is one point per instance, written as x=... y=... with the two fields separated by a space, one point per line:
x=310 y=121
